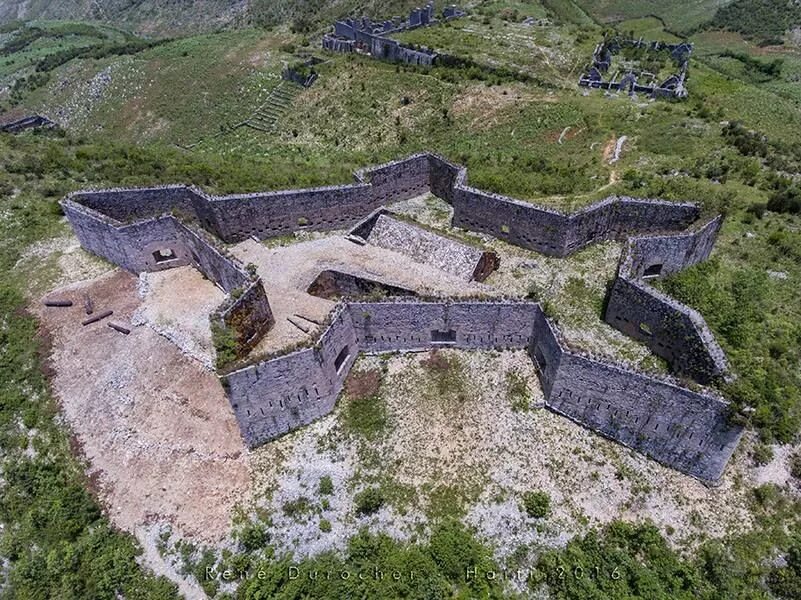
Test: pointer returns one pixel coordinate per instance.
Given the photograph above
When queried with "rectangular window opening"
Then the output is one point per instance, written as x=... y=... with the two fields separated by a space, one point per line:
x=653 y=271
x=443 y=337
x=164 y=255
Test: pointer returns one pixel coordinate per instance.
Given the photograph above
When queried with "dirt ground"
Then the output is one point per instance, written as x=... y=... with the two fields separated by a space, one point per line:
x=155 y=425
x=287 y=271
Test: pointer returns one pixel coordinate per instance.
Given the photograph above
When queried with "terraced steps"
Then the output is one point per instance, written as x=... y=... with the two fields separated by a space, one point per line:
x=270 y=112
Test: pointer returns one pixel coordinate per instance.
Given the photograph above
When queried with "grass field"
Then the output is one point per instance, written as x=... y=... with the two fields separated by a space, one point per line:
x=678 y=15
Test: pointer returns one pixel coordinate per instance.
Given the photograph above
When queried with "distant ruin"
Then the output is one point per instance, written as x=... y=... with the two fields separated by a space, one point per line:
x=158 y=228
x=368 y=37
x=16 y=121
x=636 y=78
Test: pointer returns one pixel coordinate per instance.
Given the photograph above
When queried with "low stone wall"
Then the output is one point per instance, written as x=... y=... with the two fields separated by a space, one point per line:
x=683 y=429
x=386 y=230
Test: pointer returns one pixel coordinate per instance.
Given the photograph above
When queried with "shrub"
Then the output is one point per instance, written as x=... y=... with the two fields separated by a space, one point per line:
x=369 y=500
x=537 y=504
x=365 y=412
x=795 y=465
x=762 y=454
x=296 y=508
x=252 y=537
x=326 y=487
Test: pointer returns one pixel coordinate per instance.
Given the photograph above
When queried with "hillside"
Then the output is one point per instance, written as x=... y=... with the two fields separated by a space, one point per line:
x=767 y=21
x=180 y=17
x=144 y=16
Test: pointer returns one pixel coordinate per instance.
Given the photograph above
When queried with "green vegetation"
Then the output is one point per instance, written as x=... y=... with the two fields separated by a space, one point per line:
x=56 y=541
x=326 y=486
x=522 y=130
x=537 y=504
x=369 y=501
x=517 y=391
x=226 y=347
x=676 y=15
x=433 y=570
x=365 y=410
x=765 y=20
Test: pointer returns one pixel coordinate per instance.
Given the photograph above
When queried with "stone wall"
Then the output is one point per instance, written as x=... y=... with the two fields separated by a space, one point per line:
x=670 y=329
x=139 y=230
x=269 y=214
x=287 y=392
x=386 y=230
x=368 y=36
x=683 y=429
x=163 y=242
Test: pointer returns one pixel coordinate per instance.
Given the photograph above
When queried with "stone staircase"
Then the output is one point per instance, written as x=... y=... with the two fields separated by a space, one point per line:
x=268 y=114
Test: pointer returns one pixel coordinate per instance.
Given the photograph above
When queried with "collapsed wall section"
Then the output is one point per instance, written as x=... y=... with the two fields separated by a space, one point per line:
x=331 y=284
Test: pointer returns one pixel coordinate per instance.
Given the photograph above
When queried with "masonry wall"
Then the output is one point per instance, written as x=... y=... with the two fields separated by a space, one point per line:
x=129 y=246
x=444 y=176
x=287 y=392
x=684 y=430
x=273 y=214
x=212 y=263
x=397 y=180
x=386 y=230
x=269 y=214
x=127 y=205
x=415 y=325
x=672 y=253
x=135 y=248
x=512 y=221
x=670 y=329
x=249 y=317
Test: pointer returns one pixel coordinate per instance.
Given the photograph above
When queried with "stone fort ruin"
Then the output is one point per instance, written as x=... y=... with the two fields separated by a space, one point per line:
x=368 y=37
x=633 y=78
x=691 y=431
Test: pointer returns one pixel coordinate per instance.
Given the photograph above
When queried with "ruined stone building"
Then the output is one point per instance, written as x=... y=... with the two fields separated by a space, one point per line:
x=689 y=430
